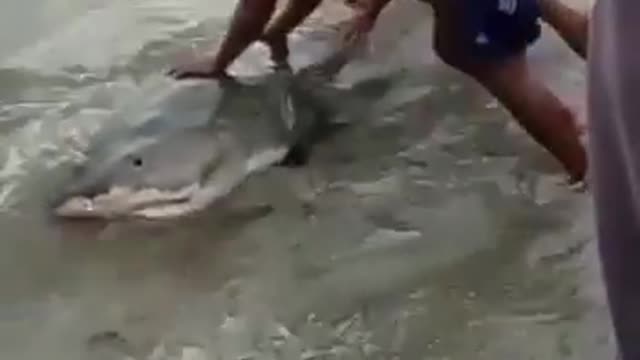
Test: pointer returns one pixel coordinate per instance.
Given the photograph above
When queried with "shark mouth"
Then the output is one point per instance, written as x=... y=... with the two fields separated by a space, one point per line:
x=148 y=203
x=157 y=204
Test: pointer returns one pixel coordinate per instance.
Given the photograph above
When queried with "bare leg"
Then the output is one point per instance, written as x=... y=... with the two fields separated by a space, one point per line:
x=248 y=22
x=570 y=24
x=276 y=34
x=538 y=110
x=531 y=103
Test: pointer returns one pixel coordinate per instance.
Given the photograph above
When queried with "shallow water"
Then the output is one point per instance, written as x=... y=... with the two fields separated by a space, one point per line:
x=435 y=232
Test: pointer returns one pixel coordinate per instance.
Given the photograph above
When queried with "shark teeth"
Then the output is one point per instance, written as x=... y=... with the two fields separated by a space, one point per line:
x=121 y=201
x=143 y=197
x=166 y=211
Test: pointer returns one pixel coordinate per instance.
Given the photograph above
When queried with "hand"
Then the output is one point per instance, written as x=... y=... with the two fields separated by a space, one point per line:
x=359 y=27
x=197 y=67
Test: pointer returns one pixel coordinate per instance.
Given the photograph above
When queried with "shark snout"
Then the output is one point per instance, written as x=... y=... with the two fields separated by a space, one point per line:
x=82 y=192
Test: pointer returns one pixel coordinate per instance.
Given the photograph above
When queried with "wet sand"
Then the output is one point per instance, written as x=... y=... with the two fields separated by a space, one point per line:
x=438 y=231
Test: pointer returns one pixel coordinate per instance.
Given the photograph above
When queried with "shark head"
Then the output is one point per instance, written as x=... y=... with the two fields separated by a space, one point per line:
x=178 y=152
x=151 y=177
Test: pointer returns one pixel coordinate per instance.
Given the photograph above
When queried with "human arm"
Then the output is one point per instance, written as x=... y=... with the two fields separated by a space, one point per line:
x=365 y=20
x=249 y=20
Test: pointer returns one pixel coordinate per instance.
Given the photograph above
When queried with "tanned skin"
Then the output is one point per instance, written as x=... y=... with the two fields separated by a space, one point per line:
x=550 y=122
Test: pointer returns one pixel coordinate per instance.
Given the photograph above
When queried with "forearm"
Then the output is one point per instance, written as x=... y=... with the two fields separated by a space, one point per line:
x=247 y=24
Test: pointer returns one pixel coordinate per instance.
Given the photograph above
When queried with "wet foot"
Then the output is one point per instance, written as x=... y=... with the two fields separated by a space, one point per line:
x=577 y=174
x=578 y=186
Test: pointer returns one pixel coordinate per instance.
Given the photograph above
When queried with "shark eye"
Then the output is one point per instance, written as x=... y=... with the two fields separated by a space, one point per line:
x=137 y=161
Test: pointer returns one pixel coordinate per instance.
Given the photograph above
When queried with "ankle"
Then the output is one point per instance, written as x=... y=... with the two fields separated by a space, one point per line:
x=572 y=155
x=577 y=169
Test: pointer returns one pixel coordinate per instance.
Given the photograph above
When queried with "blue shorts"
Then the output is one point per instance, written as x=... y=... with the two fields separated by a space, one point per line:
x=496 y=29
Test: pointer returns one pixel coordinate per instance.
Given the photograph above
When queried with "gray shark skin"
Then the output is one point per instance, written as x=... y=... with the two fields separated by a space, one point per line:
x=193 y=141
